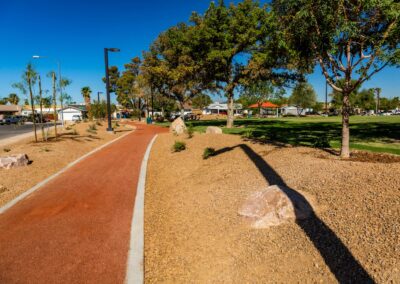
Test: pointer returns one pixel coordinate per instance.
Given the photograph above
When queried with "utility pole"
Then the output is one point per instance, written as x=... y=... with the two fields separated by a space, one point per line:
x=41 y=107
x=326 y=97
x=378 y=93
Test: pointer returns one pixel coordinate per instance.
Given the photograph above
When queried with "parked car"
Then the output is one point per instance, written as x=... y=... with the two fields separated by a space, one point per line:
x=14 y=119
x=76 y=117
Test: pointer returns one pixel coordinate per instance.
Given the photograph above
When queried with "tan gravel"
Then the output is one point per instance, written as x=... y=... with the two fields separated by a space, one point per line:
x=193 y=233
x=49 y=157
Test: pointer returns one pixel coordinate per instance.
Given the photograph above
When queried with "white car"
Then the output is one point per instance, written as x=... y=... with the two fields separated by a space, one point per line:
x=76 y=117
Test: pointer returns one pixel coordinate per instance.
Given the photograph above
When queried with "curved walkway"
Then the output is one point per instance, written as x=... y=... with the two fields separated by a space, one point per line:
x=76 y=228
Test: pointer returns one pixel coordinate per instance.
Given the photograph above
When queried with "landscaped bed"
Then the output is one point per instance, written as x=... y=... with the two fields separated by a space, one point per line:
x=193 y=232
x=49 y=157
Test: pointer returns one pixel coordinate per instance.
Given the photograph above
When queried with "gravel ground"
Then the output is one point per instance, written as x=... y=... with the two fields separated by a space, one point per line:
x=193 y=232
x=49 y=157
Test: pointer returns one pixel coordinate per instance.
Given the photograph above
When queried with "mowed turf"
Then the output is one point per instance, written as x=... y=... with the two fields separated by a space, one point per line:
x=370 y=133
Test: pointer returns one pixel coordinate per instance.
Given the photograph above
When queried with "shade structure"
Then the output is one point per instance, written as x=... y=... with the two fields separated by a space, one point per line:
x=264 y=105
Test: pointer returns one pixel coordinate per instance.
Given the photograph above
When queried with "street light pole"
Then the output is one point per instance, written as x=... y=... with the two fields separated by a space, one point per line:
x=106 y=50
x=98 y=97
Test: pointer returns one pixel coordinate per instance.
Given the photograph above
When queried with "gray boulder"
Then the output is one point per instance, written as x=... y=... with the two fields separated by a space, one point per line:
x=178 y=126
x=274 y=206
x=14 y=161
x=213 y=130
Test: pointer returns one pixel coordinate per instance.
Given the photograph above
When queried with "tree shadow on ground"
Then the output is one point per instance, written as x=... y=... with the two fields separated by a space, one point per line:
x=336 y=255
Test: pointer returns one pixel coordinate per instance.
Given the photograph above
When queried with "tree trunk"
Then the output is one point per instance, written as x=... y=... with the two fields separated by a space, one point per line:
x=32 y=107
x=229 y=122
x=41 y=109
x=139 y=111
x=54 y=105
x=345 y=149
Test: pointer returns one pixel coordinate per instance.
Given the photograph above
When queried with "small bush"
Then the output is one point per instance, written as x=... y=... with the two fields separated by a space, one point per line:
x=6 y=150
x=92 y=127
x=98 y=123
x=68 y=128
x=45 y=149
x=248 y=134
x=115 y=124
x=178 y=146
x=74 y=132
x=208 y=152
x=190 y=131
x=322 y=142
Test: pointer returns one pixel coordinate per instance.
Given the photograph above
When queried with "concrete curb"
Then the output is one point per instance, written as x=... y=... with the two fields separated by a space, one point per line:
x=11 y=203
x=135 y=266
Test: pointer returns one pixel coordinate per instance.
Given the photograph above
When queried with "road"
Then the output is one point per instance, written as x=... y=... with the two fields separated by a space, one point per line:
x=9 y=131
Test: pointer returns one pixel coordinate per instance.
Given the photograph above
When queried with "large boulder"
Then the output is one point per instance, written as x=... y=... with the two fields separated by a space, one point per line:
x=178 y=126
x=213 y=130
x=274 y=206
x=13 y=161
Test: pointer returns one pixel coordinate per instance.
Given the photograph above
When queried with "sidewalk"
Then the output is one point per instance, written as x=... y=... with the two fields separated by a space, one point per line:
x=76 y=228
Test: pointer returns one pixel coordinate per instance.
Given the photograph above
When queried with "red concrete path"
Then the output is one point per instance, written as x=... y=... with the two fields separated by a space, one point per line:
x=76 y=228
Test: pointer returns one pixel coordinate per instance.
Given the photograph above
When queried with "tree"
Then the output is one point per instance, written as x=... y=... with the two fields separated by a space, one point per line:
x=350 y=40
x=201 y=101
x=113 y=75
x=13 y=99
x=86 y=91
x=303 y=96
x=241 y=46
x=259 y=92
x=29 y=78
x=127 y=85
x=172 y=67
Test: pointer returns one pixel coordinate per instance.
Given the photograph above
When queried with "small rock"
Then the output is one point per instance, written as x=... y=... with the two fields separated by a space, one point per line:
x=13 y=161
x=213 y=130
x=274 y=206
x=178 y=126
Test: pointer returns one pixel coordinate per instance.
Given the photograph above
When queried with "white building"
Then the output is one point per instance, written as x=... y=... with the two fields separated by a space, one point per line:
x=294 y=110
x=222 y=108
x=69 y=111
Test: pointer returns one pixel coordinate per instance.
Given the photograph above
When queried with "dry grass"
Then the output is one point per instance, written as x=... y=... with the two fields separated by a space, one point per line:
x=194 y=234
x=49 y=157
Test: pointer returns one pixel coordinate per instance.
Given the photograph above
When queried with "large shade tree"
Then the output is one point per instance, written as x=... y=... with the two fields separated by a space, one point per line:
x=241 y=45
x=350 y=40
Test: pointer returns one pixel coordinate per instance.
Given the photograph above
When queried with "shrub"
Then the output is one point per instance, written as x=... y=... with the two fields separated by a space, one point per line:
x=74 y=132
x=6 y=150
x=98 y=123
x=190 y=131
x=208 y=152
x=248 y=134
x=115 y=124
x=178 y=146
x=92 y=127
x=322 y=142
x=68 y=128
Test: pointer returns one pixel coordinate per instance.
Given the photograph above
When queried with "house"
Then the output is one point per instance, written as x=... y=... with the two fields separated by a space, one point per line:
x=67 y=112
x=222 y=108
x=9 y=110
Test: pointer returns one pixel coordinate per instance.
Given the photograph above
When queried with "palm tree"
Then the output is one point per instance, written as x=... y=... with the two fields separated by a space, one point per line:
x=13 y=99
x=29 y=78
x=86 y=91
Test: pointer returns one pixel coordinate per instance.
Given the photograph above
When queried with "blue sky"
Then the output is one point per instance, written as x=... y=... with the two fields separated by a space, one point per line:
x=76 y=31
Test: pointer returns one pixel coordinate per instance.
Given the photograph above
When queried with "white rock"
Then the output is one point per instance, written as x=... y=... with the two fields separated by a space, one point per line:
x=13 y=161
x=274 y=206
x=178 y=126
x=213 y=130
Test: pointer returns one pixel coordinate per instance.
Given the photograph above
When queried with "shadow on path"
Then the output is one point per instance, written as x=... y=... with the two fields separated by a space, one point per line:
x=336 y=255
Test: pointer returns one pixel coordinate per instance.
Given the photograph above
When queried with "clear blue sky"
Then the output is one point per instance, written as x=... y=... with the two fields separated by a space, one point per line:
x=76 y=31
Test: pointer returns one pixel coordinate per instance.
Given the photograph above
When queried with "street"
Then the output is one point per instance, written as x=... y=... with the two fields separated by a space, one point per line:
x=9 y=131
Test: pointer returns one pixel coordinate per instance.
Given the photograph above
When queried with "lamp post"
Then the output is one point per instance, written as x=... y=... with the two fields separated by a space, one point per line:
x=106 y=50
x=98 y=96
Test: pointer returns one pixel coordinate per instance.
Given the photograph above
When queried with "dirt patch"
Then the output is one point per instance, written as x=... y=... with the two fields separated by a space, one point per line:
x=49 y=157
x=358 y=156
x=193 y=231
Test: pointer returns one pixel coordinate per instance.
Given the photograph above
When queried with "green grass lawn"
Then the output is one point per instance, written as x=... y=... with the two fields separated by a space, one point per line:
x=376 y=134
